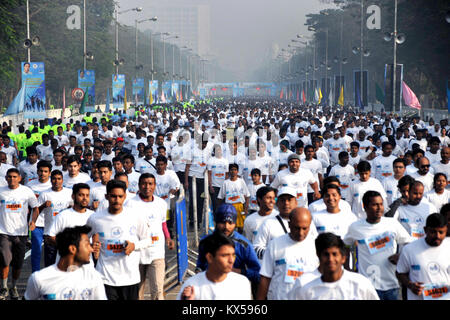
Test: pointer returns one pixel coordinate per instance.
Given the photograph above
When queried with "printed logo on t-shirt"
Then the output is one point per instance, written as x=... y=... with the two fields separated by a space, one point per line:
x=116 y=232
x=68 y=294
x=86 y=294
x=433 y=291
x=433 y=268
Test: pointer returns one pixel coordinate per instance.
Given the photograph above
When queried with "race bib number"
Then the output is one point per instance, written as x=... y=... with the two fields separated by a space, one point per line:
x=417 y=232
x=292 y=273
x=379 y=243
x=13 y=207
x=433 y=291
x=114 y=248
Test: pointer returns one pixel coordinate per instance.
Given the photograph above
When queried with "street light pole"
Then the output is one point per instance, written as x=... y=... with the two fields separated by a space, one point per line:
x=28 y=30
x=84 y=34
x=394 y=75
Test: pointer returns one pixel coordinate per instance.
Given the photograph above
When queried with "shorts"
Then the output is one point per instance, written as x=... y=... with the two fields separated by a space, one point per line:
x=240 y=214
x=12 y=251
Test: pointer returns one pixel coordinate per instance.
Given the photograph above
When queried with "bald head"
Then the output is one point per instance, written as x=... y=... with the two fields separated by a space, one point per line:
x=299 y=223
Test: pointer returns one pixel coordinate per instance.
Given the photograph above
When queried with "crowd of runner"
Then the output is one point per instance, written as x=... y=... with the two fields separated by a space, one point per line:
x=309 y=202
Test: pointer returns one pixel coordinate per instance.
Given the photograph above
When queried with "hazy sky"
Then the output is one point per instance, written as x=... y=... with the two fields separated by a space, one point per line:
x=244 y=31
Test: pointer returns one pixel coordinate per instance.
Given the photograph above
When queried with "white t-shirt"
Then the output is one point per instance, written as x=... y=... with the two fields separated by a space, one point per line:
x=440 y=167
x=351 y=286
x=427 y=180
x=357 y=190
x=116 y=268
x=438 y=200
x=413 y=218
x=249 y=165
x=426 y=264
x=298 y=180
x=383 y=167
x=315 y=166
x=69 y=182
x=253 y=222
x=14 y=205
x=146 y=166
x=38 y=188
x=284 y=261
x=166 y=182
x=319 y=205
x=28 y=171
x=345 y=175
x=390 y=185
x=375 y=244
x=234 y=191
x=337 y=223
x=60 y=200
x=68 y=218
x=51 y=283
x=234 y=287
x=218 y=168
x=253 y=202
x=155 y=212
x=198 y=160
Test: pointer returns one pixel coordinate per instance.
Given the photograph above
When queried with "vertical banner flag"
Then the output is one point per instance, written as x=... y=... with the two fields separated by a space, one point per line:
x=16 y=106
x=33 y=78
x=339 y=85
x=175 y=91
x=118 y=90
x=448 y=97
x=167 y=90
x=138 y=90
x=361 y=94
x=409 y=97
x=125 y=100
x=86 y=79
x=341 y=97
x=153 y=91
x=64 y=104
x=107 y=107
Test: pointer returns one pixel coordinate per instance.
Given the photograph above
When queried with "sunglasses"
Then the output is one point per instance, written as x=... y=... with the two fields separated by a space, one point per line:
x=425 y=166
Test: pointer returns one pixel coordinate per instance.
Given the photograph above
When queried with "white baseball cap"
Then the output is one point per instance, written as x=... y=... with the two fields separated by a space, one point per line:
x=287 y=190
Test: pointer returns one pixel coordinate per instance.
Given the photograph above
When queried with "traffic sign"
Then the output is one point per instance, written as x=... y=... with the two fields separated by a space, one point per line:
x=77 y=94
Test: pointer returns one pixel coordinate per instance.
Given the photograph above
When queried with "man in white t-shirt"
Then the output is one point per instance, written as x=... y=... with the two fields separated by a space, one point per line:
x=51 y=202
x=75 y=216
x=298 y=178
x=423 y=174
x=288 y=257
x=377 y=239
x=121 y=232
x=14 y=202
x=443 y=165
x=413 y=215
x=152 y=263
x=383 y=164
x=73 y=174
x=69 y=279
x=334 y=283
x=423 y=266
x=345 y=173
x=361 y=185
x=218 y=282
x=265 y=196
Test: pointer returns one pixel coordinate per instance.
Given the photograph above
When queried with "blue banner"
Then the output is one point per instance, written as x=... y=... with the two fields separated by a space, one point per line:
x=153 y=90
x=182 y=240
x=86 y=81
x=175 y=91
x=33 y=78
x=138 y=90
x=167 y=91
x=118 y=90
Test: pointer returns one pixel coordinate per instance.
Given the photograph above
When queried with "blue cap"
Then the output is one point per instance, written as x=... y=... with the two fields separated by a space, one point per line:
x=226 y=213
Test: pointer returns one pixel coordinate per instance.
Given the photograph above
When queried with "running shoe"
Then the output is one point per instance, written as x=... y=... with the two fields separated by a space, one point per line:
x=4 y=293
x=14 y=293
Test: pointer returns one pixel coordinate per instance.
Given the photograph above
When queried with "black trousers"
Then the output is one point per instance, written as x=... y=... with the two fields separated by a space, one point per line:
x=214 y=200
x=200 y=184
x=122 y=293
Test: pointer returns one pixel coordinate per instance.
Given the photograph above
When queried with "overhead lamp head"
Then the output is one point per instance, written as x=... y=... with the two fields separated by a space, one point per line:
x=121 y=61
x=344 y=60
x=366 y=53
x=27 y=43
x=355 y=50
x=36 y=41
x=447 y=16
x=138 y=9
x=400 y=38
x=387 y=36
x=328 y=67
x=335 y=59
x=154 y=18
x=116 y=62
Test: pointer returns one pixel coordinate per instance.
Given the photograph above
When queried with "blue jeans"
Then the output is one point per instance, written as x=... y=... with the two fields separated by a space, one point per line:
x=391 y=294
x=37 y=236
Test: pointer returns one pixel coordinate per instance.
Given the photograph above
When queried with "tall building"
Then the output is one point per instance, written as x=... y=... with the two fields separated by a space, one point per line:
x=190 y=20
